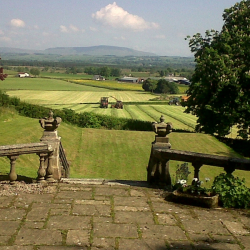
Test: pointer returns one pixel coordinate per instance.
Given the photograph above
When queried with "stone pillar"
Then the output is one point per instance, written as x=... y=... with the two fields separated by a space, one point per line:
x=158 y=171
x=52 y=163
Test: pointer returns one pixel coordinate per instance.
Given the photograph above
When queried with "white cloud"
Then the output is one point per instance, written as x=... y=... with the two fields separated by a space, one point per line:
x=1 y=32
x=116 y=17
x=17 y=23
x=69 y=29
x=64 y=29
x=73 y=28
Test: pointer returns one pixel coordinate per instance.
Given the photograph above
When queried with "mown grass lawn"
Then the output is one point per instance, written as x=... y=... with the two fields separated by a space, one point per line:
x=58 y=94
x=109 y=154
x=45 y=84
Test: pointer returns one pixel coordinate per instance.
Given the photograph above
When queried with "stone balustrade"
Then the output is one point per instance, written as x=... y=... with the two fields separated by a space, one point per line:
x=198 y=159
x=43 y=150
x=161 y=153
x=161 y=156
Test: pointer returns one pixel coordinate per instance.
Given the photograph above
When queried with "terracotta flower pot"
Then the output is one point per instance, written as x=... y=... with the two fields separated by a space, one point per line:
x=195 y=200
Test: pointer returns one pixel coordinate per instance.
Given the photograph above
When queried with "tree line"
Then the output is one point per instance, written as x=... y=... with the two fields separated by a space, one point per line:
x=161 y=86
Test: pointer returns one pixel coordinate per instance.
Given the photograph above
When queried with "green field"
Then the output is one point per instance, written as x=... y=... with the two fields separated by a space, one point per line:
x=58 y=94
x=108 y=154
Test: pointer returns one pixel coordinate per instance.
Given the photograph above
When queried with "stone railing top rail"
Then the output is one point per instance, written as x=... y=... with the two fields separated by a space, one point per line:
x=207 y=159
x=29 y=148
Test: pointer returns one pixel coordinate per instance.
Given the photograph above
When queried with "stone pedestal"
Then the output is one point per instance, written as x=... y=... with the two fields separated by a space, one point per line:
x=53 y=171
x=50 y=124
x=158 y=171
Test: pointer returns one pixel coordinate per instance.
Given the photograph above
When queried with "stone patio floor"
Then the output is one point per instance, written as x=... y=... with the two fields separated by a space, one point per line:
x=94 y=215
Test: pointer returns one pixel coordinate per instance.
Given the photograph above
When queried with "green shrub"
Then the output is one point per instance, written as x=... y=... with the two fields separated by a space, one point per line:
x=232 y=191
x=83 y=120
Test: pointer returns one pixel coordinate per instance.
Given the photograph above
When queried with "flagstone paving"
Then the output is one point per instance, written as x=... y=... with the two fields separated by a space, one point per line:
x=113 y=216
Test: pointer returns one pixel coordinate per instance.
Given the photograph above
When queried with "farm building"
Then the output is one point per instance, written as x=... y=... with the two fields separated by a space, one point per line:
x=128 y=79
x=21 y=74
x=98 y=78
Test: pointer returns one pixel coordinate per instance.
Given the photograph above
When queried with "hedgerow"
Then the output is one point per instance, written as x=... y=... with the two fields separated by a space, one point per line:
x=83 y=120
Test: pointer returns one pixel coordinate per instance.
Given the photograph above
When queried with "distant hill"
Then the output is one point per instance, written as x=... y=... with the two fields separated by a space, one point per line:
x=101 y=50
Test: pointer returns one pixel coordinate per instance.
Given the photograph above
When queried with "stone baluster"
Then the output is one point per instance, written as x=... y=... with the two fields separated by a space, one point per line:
x=12 y=174
x=50 y=169
x=42 y=170
x=197 y=166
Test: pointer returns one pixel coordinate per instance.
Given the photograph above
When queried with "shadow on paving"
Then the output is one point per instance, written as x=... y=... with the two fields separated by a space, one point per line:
x=19 y=178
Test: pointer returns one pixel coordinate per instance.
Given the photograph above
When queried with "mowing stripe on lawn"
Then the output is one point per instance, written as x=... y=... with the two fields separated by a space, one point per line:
x=156 y=116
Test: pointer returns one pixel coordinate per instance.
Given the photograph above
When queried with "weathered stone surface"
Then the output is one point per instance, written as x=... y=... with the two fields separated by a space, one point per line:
x=213 y=214
x=104 y=243
x=37 y=198
x=167 y=219
x=142 y=218
x=163 y=232
x=205 y=227
x=245 y=241
x=116 y=222
x=102 y=190
x=92 y=202
x=236 y=228
x=182 y=245
x=69 y=222
x=217 y=246
x=4 y=239
x=33 y=224
x=63 y=248
x=132 y=209
x=36 y=236
x=137 y=193
x=224 y=238
x=12 y=214
x=115 y=230
x=8 y=227
x=76 y=188
x=130 y=201
x=135 y=244
x=78 y=237
x=5 y=201
x=80 y=195
x=38 y=214
x=96 y=210
x=60 y=211
x=165 y=207
x=16 y=248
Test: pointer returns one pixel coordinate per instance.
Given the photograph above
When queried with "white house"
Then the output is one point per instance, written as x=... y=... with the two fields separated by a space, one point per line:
x=99 y=78
x=23 y=75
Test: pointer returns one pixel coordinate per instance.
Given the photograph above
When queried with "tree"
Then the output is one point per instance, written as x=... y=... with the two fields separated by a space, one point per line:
x=35 y=71
x=161 y=86
x=105 y=71
x=166 y=87
x=220 y=89
x=116 y=72
x=149 y=85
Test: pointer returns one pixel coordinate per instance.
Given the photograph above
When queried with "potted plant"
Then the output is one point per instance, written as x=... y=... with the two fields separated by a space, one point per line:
x=194 y=194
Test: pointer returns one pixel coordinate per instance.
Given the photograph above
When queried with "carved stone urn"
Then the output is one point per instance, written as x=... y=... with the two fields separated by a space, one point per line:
x=50 y=125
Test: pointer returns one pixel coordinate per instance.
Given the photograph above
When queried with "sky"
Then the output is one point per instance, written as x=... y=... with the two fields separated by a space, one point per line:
x=156 y=26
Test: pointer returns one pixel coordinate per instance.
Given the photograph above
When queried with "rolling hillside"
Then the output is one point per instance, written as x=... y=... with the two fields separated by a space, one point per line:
x=101 y=50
